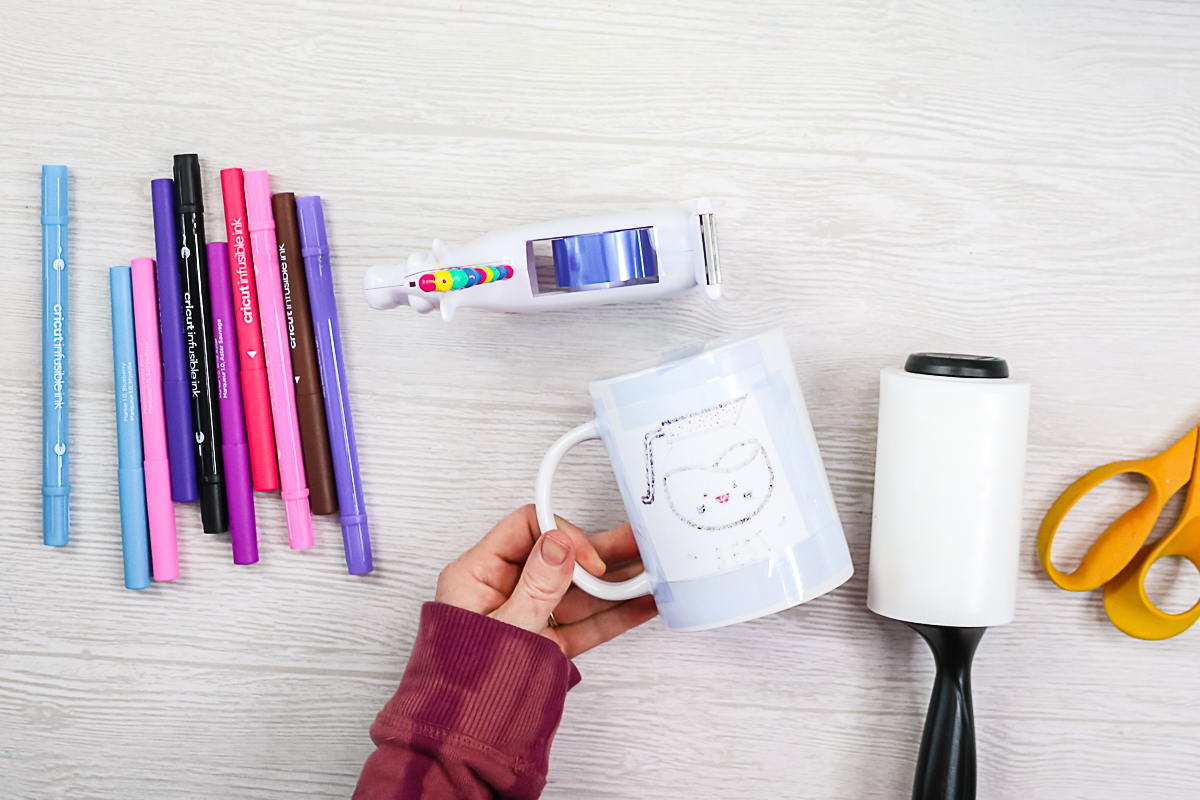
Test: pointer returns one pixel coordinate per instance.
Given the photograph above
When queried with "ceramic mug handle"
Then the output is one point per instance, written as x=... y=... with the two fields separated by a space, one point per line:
x=623 y=590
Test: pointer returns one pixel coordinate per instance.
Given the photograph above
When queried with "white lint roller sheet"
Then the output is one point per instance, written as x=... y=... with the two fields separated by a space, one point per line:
x=946 y=521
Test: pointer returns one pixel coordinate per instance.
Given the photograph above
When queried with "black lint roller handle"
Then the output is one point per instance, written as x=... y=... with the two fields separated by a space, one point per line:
x=946 y=761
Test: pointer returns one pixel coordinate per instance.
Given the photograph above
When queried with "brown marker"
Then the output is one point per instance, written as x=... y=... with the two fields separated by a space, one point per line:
x=310 y=406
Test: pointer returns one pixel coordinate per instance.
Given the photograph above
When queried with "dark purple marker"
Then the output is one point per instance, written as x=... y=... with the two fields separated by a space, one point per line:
x=315 y=249
x=177 y=401
x=238 y=489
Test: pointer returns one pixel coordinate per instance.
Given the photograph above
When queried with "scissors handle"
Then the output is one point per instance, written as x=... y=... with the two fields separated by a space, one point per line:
x=1125 y=598
x=1117 y=547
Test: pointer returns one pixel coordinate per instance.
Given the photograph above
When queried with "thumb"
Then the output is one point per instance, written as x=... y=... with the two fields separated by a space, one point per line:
x=544 y=580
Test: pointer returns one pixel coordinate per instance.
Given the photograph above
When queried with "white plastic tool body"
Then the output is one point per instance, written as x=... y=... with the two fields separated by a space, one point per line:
x=684 y=254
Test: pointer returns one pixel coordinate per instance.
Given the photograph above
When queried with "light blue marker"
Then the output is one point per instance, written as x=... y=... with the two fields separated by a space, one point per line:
x=135 y=530
x=56 y=486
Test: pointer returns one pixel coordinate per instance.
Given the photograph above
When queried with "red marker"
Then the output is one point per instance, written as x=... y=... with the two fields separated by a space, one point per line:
x=256 y=399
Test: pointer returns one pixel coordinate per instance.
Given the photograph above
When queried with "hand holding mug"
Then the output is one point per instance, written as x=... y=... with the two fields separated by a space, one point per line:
x=518 y=575
x=719 y=472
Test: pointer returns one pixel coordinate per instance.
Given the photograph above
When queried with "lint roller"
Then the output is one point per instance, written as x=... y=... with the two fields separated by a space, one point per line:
x=632 y=256
x=946 y=533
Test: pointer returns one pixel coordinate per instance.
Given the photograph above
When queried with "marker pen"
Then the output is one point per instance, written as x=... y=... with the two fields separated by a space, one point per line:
x=310 y=408
x=256 y=398
x=135 y=539
x=197 y=327
x=279 y=360
x=355 y=537
x=164 y=549
x=56 y=459
x=177 y=402
x=242 y=529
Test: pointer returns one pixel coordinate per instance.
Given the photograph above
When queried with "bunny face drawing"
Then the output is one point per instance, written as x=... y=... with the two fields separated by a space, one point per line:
x=714 y=476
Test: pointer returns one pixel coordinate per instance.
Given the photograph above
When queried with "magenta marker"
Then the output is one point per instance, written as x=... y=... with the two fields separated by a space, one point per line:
x=242 y=529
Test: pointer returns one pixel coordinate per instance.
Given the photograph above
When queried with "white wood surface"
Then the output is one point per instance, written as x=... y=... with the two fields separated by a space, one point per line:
x=1017 y=178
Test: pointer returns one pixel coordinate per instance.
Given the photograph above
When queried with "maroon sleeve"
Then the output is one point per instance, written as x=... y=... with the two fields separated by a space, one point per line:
x=475 y=713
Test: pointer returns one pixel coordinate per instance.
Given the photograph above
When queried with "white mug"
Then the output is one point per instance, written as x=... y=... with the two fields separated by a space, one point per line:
x=719 y=471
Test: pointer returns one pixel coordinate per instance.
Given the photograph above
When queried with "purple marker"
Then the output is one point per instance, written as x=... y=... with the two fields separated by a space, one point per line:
x=242 y=529
x=177 y=401
x=315 y=249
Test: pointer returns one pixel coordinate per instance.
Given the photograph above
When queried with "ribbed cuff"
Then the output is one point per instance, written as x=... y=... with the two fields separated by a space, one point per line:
x=479 y=677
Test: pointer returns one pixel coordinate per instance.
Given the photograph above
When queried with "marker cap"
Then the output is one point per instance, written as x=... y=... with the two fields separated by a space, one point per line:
x=177 y=394
x=312 y=226
x=160 y=512
x=54 y=194
x=135 y=535
x=259 y=215
x=214 y=510
x=56 y=515
x=241 y=503
x=356 y=541
x=187 y=183
x=299 y=522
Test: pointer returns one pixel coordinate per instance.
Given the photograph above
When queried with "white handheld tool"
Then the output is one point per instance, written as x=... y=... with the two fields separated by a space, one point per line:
x=632 y=256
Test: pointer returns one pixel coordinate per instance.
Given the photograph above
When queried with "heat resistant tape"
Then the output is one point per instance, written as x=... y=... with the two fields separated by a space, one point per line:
x=613 y=257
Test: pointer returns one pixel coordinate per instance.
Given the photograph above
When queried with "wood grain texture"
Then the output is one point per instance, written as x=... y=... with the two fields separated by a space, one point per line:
x=1005 y=177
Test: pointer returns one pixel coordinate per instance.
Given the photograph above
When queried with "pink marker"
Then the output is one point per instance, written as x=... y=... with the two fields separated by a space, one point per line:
x=160 y=506
x=260 y=221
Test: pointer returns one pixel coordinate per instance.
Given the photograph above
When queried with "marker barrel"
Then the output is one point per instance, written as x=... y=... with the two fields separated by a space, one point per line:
x=264 y=248
x=160 y=510
x=135 y=535
x=202 y=361
x=56 y=454
x=177 y=402
x=238 y=487
x=256 y=397
x=310 y=407
x=356 y=538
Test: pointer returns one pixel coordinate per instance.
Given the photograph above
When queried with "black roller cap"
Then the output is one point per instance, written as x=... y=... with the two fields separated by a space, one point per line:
x=953 y=365
x=188 y=194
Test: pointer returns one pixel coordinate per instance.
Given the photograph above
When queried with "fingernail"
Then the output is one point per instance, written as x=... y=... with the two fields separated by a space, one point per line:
x=554 y=550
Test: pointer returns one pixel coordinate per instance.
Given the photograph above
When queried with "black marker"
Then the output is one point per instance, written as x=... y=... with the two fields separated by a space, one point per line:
x=198 y=334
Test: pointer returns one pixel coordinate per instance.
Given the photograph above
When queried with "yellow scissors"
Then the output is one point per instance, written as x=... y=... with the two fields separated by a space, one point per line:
x=1120 y=559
